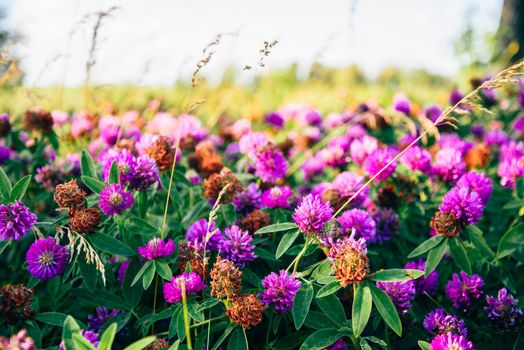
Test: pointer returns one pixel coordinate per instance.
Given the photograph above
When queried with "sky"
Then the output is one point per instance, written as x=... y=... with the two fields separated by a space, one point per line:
x=157 y=42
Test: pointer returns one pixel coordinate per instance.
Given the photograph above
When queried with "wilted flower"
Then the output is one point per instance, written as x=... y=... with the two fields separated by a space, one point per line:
x=312 y=214
x=193 y=284
x=463 y=289
x=349 y=260
x=280 y=290
x=15 y=220
x=254 y=221
x=163 y=153
x=225 y=279
x=69 y=195
x=216 y=182
x=157 y=248
x=438 y=321
x=477 y=156
x=246 y=310
x=450 y=341
x=84 y=220
x=15 y=303
x=114 y=199
x=38 y=120
x=401 y=293
x=237 y=245
x=102 y=315
x=503 y=311
x=46 y=258
x=158 y=344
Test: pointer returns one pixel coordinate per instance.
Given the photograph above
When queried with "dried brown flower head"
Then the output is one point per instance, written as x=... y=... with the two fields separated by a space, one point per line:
x=15 y=303
x=477 y=156
x=246 y=310
x=225 y=279
x=387 y=196
x=162 y=152
x=158 y=344
x=333 y=196
x=191 y=256
x=39 y=120
x=446 y=224
x=214 y=184
x=127 y=144
x=350 y=265
x=69 y=195
x=206 y=159
x=84 y=220
x=254 y=221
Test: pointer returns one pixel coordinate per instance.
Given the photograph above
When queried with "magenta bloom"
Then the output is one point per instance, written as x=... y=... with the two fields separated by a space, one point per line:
x=401 y=293
x=124 y=160
x=280 y=290
x=362 y=147
x=46 y=258
x=270 y=165
x=157 y=248
x=463 y=289
x=347 y=183
x=15 y=220
x=401 y=104
x=173 y=290
x=275 y=119
x=312 y=214
x=417 y=158
x=438 y=321
x=114 y=199
x=510 y=170
x=477 y=182
x=277 y=197
x=465 y=204
x=196 y=236
x=144 y=173
x=496 y=137
x=450 y=341
x=424 y=284
x=237 y=245
x=449 y=164
x=122 y=269
x=90 y=336
x=377 y=160
x=360 y=221
x=249 y=199
x=432 y=112
x=102 y=315
x=503 y=310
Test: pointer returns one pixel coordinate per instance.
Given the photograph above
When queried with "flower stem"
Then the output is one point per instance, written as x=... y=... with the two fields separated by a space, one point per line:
x=186 y=314
x=300 y=255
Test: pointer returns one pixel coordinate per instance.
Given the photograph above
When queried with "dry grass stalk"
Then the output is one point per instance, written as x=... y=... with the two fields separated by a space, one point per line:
x=208 y=55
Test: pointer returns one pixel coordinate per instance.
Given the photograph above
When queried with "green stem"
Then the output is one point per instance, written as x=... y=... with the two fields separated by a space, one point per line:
x=186 y=314
x=300 y=255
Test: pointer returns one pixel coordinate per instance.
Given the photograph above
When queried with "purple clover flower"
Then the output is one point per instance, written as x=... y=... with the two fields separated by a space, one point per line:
x=449 y=164
x=46 y=258
x=463 y=289
x=114 y=199
x=377 y=160
x=173 y=289
x=477 y=182
x=157 y=248
x=503 y=310
x=424 y=284
x=277 y=197
x=123 y=158
x=449 y=341
x=438 y=321
x=102 y=315
x=144 y=173
x=280 y=290
x=401 y=293
x=360 y=221
x=196 y=236
x=270 y=165
x=387 y=224
x=312 y=214
x=15 y=220
x=237 y=245
x=417 y=158
x=90 y=336
x=248 y=200
x=347 y=183
x=465 y=204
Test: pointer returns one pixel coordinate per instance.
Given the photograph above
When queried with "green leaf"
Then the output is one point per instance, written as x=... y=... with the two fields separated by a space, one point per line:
x=106 y=341
x=515 y=204
x=328 y=289
x=110 y=245
x=285 y=226
x=459 y=254
x=164 y=270
x=301 y=304
x=426 y=245
x=89 y=273
x=423 y=345
x=333 y=309
x=141 y=226
x=87 y=165
x=397 y=275
x=53 y=139
x=511 y=241
x=100 y=298
x=52 y=318
x=320 y=339
x=237 y=340
x=82 y=343
x=434 y=257
x=114 y=176
x=20 y=188
x=175 y=345
x=3 y=245
x=149 y=274
x=362 y=302
x=286 y=242
x=223 y=337
x=386 y=309
x=142 y=270
x=94 y=185
x=478 y=240
x=141 y=344
x=70 y=328
x=132 y=294
x=5 y=185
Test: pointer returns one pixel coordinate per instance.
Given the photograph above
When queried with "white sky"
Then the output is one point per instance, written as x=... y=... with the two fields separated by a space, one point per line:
x=168 y=35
